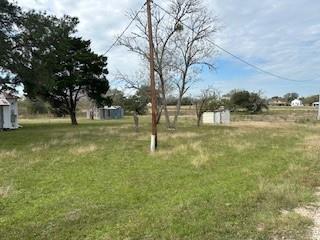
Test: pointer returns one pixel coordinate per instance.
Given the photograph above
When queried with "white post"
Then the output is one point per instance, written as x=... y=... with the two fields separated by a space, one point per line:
x=153 y=143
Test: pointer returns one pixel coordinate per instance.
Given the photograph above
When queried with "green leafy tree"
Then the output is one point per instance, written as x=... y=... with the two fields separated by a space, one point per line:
x=58 y=67
x=78 y=73
x=10 y=23
x=289 y=97
x=186 y=101
x=117 y=97
x=257 y=103
x=240 y=99
x=310 y=99
x=32 y=107
x=251 y=102
x=138 y=102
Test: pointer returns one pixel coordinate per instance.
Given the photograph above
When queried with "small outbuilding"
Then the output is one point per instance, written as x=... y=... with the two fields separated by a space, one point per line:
x=105 y=113
x=218 y=117
x=8 y=111
x=296 y=103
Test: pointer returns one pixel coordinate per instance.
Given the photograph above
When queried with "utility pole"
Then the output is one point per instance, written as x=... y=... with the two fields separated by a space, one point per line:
x=318 y=117
x=154 y=139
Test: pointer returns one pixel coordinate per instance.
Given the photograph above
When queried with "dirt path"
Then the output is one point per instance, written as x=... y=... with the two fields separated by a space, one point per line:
x=312 y=212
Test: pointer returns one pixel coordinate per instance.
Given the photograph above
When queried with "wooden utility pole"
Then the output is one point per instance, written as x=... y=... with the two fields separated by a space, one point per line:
x=154 y=139
x=318 y=117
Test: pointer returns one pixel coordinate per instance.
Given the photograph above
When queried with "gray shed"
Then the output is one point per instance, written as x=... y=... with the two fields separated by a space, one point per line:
x=8 y=111
x=105 y=113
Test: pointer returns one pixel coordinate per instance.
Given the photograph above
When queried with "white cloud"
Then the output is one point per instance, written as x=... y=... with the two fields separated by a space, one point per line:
x=284 y=35
x=279 y=36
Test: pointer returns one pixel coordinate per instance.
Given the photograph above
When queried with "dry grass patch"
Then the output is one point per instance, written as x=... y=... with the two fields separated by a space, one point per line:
x=281 y=194
x=5 y=191
x=195 y=151
x=176 y=135
x=73 y=215
x=83 y=149
x=312 y=142
x=71 y=135
x=241 y=146
x=131 y=135
x=168 y=153
x=312 y=212
x=38 y=148
x=110 y=131
x=311 y=146
x=8 y=154
x=201 y=159
x=262 y=124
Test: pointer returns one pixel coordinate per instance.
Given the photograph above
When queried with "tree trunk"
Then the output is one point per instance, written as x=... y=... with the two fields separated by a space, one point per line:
x=159 y=113
x=178 y=108
x=181 y=93
x=73 y=118
x=164 y=100
x=136 y=121
x=166 y=115
x=92 y=115
x=198 y=120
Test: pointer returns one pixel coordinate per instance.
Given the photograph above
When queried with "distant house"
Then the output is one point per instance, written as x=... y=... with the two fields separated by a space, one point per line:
x=296 y=103
x=315 y=104
x=8 y=111
x=105 y=113
x=278 y=102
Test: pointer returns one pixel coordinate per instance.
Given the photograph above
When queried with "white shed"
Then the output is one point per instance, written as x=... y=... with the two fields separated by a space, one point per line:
x=8 y=111
x=216 y=117
x=296 y=103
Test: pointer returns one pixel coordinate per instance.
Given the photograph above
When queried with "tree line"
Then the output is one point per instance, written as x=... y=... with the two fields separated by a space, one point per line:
x=287 y=98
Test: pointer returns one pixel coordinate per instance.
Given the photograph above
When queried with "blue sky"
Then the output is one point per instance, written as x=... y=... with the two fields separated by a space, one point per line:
x=230 y=74
x=279 y=36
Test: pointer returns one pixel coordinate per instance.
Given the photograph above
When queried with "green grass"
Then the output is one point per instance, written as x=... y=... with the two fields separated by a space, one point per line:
x=280 y=114
x=99 y=181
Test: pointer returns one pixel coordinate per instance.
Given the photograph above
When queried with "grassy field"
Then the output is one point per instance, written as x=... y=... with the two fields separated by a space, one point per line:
x=273 y=114
x=98 y=181
x=281 y=114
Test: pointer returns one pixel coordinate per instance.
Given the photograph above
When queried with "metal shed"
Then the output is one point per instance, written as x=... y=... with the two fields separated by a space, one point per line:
x=105 y=113
x=216 y=117
x=8 y=111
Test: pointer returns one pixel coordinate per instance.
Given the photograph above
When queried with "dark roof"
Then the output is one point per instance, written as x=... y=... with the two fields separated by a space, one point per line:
x=9 y=96
x=3 y=101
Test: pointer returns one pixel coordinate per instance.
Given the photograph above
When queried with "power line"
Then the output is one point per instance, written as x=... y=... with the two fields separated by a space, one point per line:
x=235 y=56
x=124 y=31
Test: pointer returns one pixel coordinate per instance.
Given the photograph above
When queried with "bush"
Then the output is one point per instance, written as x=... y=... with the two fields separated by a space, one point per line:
x=251 y=102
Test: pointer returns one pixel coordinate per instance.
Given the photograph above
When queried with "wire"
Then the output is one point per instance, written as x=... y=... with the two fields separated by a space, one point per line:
x=235 y=56
x=124 y=31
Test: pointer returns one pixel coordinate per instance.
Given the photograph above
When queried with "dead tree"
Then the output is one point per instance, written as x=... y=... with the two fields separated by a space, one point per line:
x=181 y=45
x=208 y=100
